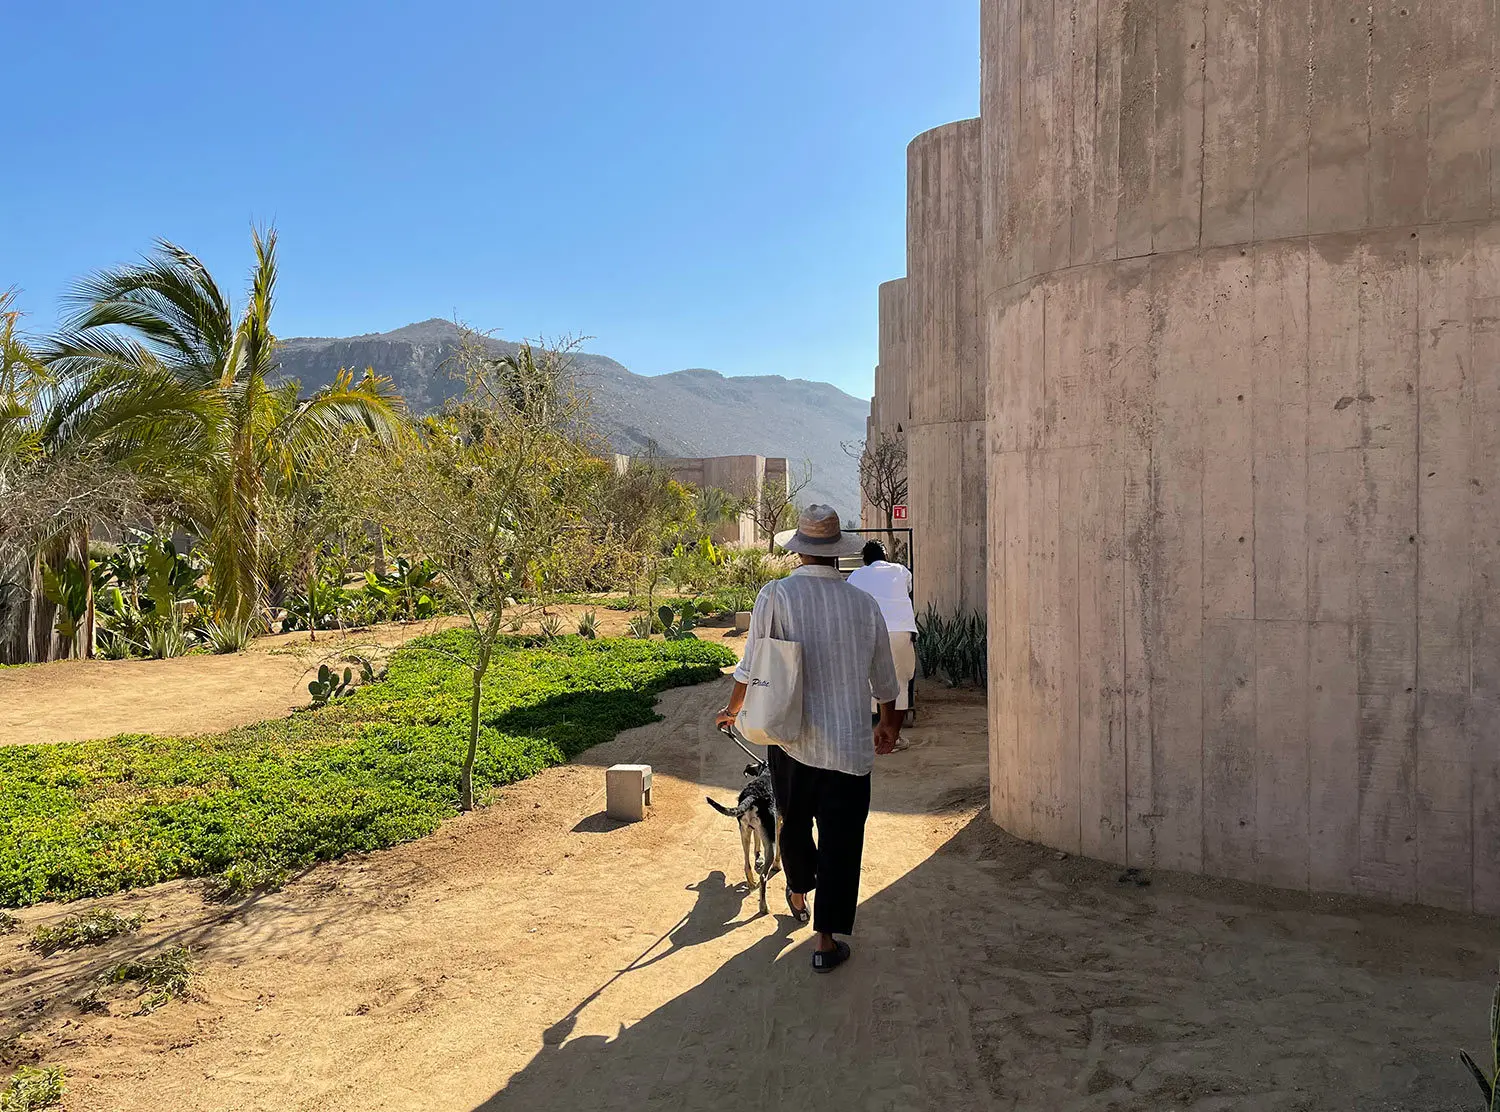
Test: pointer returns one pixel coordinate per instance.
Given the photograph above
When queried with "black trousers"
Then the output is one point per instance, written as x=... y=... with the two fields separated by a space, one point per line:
x=839 y=803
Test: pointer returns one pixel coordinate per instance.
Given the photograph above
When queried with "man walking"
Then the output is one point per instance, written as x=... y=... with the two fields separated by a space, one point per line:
x=890 y=585
x=824 y=776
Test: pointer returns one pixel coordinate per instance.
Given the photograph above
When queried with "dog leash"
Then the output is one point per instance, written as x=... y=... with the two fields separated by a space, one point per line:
x=728 y=731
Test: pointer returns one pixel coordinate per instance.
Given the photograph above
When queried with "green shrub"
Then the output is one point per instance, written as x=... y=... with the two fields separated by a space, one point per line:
x=364 y=772
x=31 y=1088
x=89 y=929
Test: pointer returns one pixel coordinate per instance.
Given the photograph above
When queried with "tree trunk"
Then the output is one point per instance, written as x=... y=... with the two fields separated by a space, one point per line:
x=466 y=777
x=312 y=605
x=85 y=638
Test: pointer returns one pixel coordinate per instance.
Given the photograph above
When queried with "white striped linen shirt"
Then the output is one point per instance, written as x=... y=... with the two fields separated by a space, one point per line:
x=846 y=657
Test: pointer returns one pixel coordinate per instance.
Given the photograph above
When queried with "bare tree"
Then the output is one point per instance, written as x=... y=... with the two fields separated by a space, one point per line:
x=882 y=472
x=486 y=493
x=774 y=505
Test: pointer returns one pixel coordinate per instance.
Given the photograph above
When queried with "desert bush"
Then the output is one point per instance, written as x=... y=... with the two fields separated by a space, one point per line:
x=163 y=977
x=9 y=924
x=33 y=1087
x=365 y=772
x=88 y=929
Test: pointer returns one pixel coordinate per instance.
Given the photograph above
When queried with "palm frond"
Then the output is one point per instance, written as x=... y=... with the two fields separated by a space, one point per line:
x=169 y=300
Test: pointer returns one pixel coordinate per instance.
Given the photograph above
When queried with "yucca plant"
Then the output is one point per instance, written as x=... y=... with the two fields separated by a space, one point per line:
x=1489 y=1086
x=588 y=625
x=552 y=627
x=641 y=627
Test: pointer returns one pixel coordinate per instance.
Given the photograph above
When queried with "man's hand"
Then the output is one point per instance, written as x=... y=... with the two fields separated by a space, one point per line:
x=886 y=736
x=725 y=719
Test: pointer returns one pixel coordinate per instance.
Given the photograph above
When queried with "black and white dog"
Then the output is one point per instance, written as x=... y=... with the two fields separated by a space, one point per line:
x=759 y=827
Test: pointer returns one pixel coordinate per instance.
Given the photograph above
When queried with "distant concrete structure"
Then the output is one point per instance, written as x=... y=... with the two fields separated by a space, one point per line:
x=1242 y=284
x=890 y=408
x=740 y=476
x=945 y=423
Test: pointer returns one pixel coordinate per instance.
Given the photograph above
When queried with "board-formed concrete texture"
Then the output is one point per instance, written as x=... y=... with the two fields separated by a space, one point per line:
x=893 y=374
x=1242 y=294
x=946 y=468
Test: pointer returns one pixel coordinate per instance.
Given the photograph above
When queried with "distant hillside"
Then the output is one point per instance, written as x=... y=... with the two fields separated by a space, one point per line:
x=687 y=413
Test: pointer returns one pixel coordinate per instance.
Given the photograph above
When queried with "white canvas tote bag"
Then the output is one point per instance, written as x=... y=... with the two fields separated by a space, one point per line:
x=772 y=714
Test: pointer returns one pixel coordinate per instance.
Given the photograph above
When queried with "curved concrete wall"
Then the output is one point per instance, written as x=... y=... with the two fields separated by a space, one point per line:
x=945 y=441
x=893 y=374
x=1242 y=296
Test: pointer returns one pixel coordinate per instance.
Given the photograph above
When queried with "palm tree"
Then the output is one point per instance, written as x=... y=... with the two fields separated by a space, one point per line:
x=215 y=424
x=65 y=452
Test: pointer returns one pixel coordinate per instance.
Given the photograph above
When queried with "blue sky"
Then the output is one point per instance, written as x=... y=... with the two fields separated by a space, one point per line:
x=693 y=184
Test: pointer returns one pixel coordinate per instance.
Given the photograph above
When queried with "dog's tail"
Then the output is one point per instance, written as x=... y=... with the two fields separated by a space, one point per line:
x=732 y=812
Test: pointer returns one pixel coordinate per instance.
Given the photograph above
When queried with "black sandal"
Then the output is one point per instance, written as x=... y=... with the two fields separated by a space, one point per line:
x=826 y=961
x=803 y=916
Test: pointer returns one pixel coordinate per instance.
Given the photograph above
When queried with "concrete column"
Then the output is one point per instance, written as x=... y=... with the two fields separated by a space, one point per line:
x=945 y=432
x=893 y=375
x=1241 y=281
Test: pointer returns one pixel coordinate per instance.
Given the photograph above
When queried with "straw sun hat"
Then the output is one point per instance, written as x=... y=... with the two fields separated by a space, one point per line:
x=818 y=534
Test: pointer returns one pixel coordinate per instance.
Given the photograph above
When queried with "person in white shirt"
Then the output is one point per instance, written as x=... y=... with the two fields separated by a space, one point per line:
x=890 y=585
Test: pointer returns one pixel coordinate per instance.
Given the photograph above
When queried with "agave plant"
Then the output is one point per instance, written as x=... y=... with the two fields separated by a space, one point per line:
x=641 y=627
x=228 y=637
x=1489 y=1086
x=588 y=625
x=552 y=627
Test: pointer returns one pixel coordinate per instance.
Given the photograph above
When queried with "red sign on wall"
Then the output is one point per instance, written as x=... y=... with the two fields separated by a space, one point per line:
x=898 y=513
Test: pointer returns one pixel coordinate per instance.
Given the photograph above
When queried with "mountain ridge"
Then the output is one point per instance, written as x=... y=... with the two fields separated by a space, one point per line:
x=691 y=412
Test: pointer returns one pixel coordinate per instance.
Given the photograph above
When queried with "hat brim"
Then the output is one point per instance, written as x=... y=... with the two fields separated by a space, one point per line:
x=845 y=544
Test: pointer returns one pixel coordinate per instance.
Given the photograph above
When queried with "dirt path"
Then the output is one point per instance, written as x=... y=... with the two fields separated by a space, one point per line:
x=535 y=957
x=76 y=700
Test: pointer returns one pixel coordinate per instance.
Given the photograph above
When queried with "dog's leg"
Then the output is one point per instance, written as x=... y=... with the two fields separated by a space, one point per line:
x=745 y=838
x=766 y=868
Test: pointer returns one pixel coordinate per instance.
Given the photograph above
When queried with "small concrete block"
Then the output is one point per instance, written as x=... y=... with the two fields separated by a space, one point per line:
x=627 y=792
x=742 y=621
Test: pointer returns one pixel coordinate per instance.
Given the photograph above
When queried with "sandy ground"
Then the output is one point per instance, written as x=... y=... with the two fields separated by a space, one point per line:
x=536 y=956
x=74 y=700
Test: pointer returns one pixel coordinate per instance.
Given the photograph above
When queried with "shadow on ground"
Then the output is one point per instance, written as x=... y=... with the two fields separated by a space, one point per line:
x=998 y=976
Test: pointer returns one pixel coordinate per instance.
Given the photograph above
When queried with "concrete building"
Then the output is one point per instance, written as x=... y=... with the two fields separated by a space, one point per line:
x=740 y=476
x=1241 y=274
x=945 y=426
x=1239 y=277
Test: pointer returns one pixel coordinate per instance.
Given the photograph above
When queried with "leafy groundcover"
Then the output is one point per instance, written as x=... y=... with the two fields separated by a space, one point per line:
x=374 y=769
